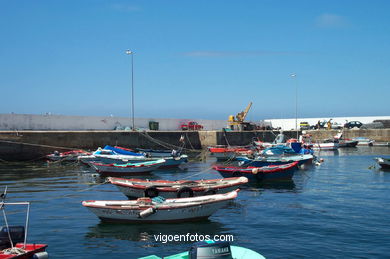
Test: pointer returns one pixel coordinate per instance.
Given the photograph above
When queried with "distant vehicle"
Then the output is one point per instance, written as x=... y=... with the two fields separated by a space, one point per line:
x=192 y=125
x=373 y=125
x=353 y=124
x=304 y=125
x=336 y=125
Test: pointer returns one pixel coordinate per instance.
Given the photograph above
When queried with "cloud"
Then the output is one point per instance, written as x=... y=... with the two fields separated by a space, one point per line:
x=125 y=7
x=237 y=53
x=331 y=21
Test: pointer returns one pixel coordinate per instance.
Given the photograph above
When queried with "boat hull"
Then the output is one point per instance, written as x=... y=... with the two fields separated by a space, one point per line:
x=267 y=173
x=175 y=210
x=130 y=169
x=383 y=162
x=136 y=188
x=282 y=160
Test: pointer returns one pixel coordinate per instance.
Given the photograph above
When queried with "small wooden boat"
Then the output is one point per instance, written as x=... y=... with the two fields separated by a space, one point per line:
x=67 y=156
x=325 y=146
x=362 y=141
x=213 y=250
x=158 y=209
x=265 y=173
x=228 y=152
x=383 y=162
x=135 y=188
x=13 y=239
x=156 y=153
x=260 y=161
x=127 y=169
x=109 y=156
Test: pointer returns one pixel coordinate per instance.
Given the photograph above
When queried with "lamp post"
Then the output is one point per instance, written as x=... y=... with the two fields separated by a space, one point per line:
x=296 y=103
x=129 y=52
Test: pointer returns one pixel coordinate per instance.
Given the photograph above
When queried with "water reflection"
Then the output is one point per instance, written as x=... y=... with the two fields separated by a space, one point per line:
x=147 y=232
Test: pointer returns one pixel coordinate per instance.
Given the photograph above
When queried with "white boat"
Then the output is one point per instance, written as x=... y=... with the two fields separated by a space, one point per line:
x=325 y=146
x=129 y=168
x=362 y=141
x=110 y=156
x=383 y=162
x=135 y=188
x=159 y=210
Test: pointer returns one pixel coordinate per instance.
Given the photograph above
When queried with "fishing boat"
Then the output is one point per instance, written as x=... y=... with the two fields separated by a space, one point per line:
x=123 y=151
x=158 y=209
x=345 y=142
x=264 y=173
x=110 y=156
x=362 y=141
x=13 y=239
x=325 y=145
x=213 y=250
x=135 y=188
x=383 y=162
x=260 y=161
x=157 y=152
x=228 y=152
x=67 y=156
x=127 y=169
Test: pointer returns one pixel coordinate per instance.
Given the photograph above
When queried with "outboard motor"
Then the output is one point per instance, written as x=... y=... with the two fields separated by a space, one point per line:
x=210 y=250
x=16 y=233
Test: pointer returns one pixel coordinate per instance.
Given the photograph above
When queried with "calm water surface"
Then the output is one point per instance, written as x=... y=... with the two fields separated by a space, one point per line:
x=340 y=209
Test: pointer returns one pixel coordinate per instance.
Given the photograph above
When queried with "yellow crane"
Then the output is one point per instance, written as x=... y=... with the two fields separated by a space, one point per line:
x=238 y=122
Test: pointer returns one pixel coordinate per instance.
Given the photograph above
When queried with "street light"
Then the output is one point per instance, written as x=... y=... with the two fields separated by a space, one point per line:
x=129 y=52
x=296 y=103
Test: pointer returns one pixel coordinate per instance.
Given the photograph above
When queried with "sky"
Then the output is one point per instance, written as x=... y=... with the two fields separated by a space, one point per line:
x=196 y=59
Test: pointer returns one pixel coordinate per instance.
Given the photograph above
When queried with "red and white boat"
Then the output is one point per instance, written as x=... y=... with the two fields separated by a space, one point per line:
x=13 y=239
x=228 y=152
x=129 y=168
x=159 y=210
x=67 y=156
x=135 y=188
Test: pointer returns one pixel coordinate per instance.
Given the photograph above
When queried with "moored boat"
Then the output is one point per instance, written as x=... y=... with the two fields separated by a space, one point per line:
x=260 y=161
x=67 y=156
x=383 y=162
x=265 y=173
x=110 y=156
x=213 y=250
x=325 y=145
x=134 y=188
x=227 y=152
x=362 y=141
x=13 y=239
x=158 y=209
x=127 y=169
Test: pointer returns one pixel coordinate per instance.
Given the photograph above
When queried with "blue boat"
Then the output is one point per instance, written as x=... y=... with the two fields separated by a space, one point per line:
x=265 y=173
x=275 y=160
x=122 y=151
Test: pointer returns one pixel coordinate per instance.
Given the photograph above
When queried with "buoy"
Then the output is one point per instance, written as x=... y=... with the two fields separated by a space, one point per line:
x=147 y=212
x=255 y=170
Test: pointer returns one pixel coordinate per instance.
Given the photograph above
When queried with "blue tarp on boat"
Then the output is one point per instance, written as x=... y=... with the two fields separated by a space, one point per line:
x=122 y=151
x=278 y=150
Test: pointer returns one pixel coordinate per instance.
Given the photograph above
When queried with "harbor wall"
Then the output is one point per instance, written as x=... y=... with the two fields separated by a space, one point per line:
x=64 y=122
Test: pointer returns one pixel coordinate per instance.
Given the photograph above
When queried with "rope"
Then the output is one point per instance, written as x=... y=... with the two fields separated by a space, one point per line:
x=31 y=144
x=14 y=251
x=6 y=224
